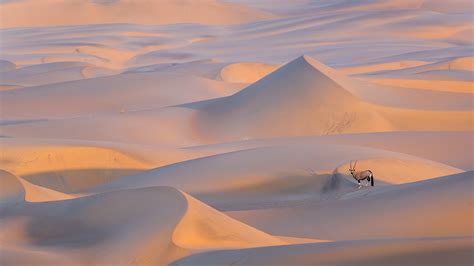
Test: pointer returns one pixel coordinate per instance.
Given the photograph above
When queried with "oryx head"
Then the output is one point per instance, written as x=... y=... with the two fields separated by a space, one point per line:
x=352 y=168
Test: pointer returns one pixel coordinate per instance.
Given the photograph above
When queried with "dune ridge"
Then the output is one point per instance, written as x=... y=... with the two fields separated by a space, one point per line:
x=17 y=190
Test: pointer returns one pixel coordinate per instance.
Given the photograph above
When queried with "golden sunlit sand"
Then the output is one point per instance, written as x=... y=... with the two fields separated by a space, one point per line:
x=217 y=132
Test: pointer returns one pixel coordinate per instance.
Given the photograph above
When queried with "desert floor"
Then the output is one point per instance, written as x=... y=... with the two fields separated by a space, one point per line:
x=212 y=132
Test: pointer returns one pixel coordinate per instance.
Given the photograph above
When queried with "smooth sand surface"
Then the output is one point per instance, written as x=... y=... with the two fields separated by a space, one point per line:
x=217 y=132
x=369 y=252
x=415 y=200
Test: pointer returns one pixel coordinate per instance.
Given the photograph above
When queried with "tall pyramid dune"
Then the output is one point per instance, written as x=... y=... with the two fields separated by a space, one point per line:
x=305 y=97
x=301 y=98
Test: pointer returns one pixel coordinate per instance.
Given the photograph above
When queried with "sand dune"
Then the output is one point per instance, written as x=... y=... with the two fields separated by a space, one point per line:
x=415 y=98
x=12 y=190
x=6 y=65
x=280 y=174
x=245 y=72
x=287 y=101
x=16 y=190
x=126 y=228
x=118 y=94
x=284 y=102
x=407 y=209
x=432 y=251
x=47 y=73
x=52 y=12
x=221 y=132
x=451 y=148
x=453 y=75
x=64 y=166
x=438 y=85
x=460 y=63
x=165 y=126
x=351 y=70
x=34 y=193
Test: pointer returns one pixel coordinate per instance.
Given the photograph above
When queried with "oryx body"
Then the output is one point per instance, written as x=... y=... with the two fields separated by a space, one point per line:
x=361 y=175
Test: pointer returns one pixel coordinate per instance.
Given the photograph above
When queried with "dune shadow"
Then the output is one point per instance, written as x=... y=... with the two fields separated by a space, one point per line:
x=281 y=191
x=64 y=231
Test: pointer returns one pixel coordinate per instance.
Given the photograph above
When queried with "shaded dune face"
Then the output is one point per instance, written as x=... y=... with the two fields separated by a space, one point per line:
x=66 y=167
x=148 y=226
x=12 y=192
x=16 y=190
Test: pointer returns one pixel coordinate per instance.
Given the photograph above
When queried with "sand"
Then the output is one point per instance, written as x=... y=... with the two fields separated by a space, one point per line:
x=221 y=132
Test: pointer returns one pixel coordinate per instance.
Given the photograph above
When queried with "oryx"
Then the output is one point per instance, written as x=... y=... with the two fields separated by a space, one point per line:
x=361 y=175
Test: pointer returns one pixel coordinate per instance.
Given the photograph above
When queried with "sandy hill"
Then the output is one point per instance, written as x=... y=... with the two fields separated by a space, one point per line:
x=76 y=12
x=11 y=190
x=114 y=94
x=279 y=173
x=459 y=63
x=305 y=97
x=450 y=75
x=15 y=190
x=451 y=148
x=412 y=252
x=66 y=166
x=54 y=72
x=245 y=72
x=119 y=228
x=300 y=98
x=399 y=211
x=395 y=218
x=6 y=65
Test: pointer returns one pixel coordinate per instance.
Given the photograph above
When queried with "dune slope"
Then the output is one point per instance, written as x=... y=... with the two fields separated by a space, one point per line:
x=296 y=99
x=408 y=210
x=125 y=230
x=432 y=251
x=53 y=12
x=304 y=97
x=279 y=175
